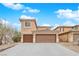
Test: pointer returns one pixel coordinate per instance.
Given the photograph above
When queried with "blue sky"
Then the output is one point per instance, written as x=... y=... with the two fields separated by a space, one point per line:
x=45 y=13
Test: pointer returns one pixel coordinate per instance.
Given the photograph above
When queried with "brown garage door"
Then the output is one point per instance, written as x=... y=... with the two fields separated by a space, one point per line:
x=45 y=38
x=28 y=38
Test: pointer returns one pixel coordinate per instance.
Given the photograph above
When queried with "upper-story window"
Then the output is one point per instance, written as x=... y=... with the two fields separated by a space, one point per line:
x=61 y=29
x=27 y=24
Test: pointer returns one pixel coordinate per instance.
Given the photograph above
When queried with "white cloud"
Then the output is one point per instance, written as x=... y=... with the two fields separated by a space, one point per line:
x=13 y=6
x=34 y=10
x=18 y=6
x=26 y=17
x=78 y=7
x=10 y=24
x=68 y=14
x=3 y=21
x=16 y=25
x=46 y=25
x=68 y=23
x=31 y=10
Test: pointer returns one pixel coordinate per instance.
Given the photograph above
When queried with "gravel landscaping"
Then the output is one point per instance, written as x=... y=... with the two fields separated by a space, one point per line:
x=6 y=46
x=71 y=46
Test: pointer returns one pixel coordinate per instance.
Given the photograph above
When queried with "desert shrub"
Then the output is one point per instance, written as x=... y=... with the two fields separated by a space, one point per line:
x=16 y=37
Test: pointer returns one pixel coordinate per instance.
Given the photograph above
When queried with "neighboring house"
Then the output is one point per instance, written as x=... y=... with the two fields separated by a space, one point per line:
x=70 y=36
x=63 y=28
x=76 y=27
x=30 y=32
x=68 y=33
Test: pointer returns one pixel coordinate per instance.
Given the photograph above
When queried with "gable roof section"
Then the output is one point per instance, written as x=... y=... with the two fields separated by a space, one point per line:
x=63 y=27
x=69 y=31
x=44 y=32
x=76 y=26
x=43 y=26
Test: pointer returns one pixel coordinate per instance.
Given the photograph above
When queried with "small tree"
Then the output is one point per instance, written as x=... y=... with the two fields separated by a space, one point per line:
x=2 y=33
x=6 y=34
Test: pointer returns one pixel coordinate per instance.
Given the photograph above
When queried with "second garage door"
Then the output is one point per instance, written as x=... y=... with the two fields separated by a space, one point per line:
x=45 y=38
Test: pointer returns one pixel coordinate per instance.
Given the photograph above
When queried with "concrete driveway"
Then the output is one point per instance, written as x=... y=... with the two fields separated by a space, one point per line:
x=38 y=49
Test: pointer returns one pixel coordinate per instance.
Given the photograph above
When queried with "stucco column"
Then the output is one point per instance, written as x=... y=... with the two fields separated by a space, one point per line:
x=34 y=35
x=72 y=37
x=21 y=38
x=57 y=38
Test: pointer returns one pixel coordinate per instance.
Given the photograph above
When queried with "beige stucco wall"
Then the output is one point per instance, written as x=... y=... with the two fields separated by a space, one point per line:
x=70 y=37
x=67 y=29
x=63 y=37
x=66 y=36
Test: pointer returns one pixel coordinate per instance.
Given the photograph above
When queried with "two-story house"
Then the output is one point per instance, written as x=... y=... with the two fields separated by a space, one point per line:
x=30 y=32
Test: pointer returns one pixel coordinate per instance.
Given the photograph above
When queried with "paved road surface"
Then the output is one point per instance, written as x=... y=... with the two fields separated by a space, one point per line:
x=38 y=49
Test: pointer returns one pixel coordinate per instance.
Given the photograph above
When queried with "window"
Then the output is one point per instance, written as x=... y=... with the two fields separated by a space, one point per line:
x=27 y=24
x=61 y=29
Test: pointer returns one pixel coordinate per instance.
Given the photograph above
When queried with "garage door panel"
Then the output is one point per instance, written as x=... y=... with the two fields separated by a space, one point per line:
x=28 y=38
x=45 y=38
